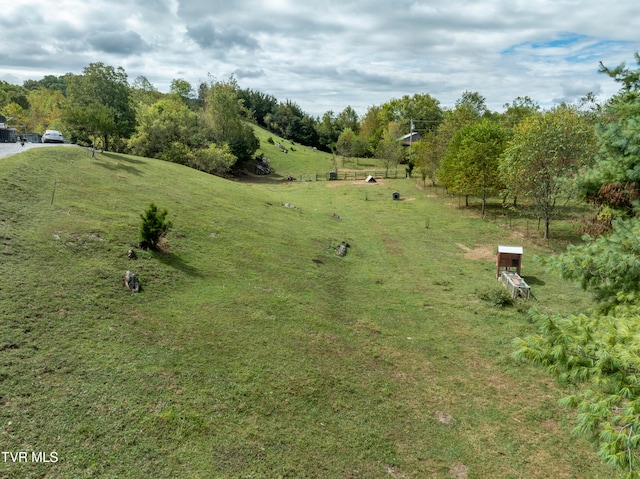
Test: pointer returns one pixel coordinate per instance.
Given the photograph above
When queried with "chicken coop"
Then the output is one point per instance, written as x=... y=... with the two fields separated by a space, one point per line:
x=509 y=258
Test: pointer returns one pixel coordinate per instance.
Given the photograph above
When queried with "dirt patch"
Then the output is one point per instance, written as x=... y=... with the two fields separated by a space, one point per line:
x=443 y=417
x=459 y=471
x=336 y=183
x=479 y=252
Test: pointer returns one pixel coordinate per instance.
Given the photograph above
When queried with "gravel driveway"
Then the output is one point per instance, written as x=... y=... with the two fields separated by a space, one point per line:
x=7 y=149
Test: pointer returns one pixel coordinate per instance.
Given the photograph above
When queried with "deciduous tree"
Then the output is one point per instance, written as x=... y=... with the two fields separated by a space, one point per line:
x=161 y=124
x=225 y=115
x=99 y=103
x=548 y=150
x=470 y=165
x=389 y=149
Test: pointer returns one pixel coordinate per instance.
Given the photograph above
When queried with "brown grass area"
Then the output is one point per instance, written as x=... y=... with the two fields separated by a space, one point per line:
x=459 y=471
x=337 y=183
x=479 y=252
x=392 y=244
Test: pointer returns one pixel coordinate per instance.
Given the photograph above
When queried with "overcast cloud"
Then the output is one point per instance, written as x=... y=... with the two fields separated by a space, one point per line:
x=326 y=55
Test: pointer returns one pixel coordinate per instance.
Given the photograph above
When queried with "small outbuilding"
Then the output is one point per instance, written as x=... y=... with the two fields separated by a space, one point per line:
x=396 y=195
x=509 y=257
x=370 y=179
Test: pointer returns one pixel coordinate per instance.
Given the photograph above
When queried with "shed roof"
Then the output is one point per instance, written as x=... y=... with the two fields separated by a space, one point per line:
x=510 y=249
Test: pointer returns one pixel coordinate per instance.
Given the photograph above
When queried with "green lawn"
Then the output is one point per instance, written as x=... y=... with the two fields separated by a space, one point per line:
x=253 y=350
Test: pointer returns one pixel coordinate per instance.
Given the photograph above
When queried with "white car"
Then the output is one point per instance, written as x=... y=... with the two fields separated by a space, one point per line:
x=52 y=136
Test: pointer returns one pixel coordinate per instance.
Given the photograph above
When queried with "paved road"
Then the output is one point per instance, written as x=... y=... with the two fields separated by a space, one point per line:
x=7 y=149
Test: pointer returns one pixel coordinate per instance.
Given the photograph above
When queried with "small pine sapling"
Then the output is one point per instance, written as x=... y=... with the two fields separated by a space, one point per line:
x=154 y=227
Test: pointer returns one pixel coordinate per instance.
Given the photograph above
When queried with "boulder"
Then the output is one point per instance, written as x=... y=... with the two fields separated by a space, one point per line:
x=132 y=282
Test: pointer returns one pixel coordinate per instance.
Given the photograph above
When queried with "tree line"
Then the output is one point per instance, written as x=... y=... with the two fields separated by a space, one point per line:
x=522 y=154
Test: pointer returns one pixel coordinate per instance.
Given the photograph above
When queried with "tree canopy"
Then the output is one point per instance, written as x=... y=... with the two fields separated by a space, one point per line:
x=545 y=152
x=470 y=165
x=99 y=104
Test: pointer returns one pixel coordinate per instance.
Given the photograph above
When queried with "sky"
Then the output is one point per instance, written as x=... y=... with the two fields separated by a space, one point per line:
x=326 y=55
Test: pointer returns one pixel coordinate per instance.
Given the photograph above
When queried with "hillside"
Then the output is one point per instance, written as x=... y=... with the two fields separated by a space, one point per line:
x=253 y=350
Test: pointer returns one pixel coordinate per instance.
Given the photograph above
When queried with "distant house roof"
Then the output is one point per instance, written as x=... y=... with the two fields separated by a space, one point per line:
x=409 y=138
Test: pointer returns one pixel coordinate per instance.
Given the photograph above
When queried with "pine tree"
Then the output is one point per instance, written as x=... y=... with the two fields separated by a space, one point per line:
x=154 y=227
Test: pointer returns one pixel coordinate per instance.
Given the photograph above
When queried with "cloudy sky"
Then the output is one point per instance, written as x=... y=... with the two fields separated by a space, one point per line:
x=328 y=54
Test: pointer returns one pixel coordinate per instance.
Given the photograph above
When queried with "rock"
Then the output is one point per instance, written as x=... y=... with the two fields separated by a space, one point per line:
x=132 y=282
x=341 y=249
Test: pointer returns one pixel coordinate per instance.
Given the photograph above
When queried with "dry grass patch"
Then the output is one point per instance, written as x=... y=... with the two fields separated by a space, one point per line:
x=479 y=252
x=459 y=471
x=444 y=418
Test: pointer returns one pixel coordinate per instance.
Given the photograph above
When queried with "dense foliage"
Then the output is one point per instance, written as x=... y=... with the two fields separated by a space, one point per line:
x=470 y=165
x=546 y=150
x=598 y=351
x=98 y=104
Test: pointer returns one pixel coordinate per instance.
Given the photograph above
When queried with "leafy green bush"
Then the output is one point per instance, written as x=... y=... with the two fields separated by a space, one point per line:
x=177 y=152
x=154 y=227
x=498 y=296
x=214 y=159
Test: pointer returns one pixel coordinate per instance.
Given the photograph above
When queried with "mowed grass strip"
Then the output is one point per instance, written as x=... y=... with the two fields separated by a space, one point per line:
x=253 y=350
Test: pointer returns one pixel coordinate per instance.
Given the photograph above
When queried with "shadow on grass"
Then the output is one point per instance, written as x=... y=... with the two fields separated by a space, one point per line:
x=115 y=156
x=533 y=281
x=260 y=179
x=119 y=166
x=174 y=261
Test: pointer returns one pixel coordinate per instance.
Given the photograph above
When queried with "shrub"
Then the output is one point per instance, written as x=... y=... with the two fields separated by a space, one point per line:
x=214 y=159
x=177 y=152
x=154 y=227
x=498 y=296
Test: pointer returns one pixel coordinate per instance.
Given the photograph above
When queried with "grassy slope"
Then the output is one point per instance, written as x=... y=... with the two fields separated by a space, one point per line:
x=254 y=351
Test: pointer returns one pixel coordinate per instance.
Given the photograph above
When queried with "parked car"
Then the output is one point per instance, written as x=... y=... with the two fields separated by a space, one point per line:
x=52 y=136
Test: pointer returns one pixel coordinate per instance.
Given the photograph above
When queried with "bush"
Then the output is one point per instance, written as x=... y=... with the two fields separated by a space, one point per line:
x=497 y=296
x=214 y=159
x=154 y=227
x=177 y=152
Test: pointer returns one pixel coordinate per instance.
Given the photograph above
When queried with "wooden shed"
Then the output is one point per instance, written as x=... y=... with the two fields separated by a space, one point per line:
x=509 y=257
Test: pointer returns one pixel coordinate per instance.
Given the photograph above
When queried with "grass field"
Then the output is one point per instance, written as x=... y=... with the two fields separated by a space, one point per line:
x=253 y=350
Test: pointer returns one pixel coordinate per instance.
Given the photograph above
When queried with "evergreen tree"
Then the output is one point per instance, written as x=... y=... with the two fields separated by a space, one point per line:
x=154 y=227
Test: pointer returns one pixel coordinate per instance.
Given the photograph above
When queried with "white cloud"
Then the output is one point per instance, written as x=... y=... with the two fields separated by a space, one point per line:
x=325 y=55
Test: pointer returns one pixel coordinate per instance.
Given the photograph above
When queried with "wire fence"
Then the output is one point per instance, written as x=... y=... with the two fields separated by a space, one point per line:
x=346 y=175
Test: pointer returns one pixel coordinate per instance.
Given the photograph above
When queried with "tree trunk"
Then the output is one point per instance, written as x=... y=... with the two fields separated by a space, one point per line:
x=547 y=220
